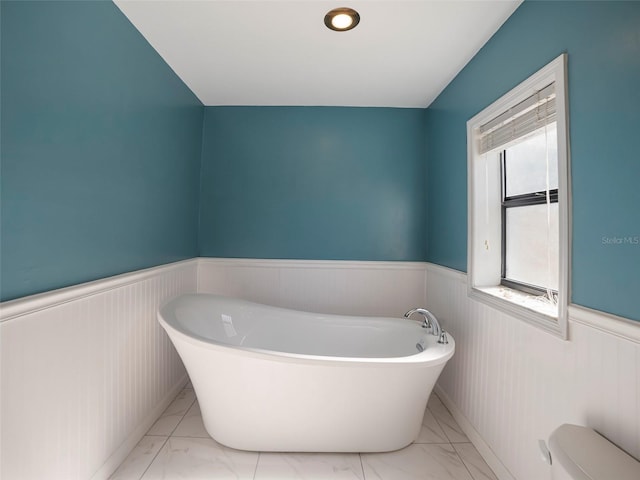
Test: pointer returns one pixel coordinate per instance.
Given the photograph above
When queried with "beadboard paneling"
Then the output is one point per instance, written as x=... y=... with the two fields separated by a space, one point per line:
x=84 y=370
x=515 y=383
x=341 y=287
x=85 y=373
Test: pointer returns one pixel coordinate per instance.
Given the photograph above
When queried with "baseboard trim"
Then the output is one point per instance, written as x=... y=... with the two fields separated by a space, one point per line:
x=117 y=457
x=483 y=448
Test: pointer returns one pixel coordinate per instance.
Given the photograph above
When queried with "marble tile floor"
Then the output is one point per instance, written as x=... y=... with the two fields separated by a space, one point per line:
x=178 y=447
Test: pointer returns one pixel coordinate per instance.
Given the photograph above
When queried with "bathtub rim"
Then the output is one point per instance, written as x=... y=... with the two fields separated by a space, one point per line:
x=422 y=359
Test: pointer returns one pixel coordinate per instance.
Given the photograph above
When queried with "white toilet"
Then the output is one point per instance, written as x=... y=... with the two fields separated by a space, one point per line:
x=579 y=453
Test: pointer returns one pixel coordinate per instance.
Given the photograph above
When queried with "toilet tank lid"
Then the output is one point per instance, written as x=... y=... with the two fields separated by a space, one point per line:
x=586 y=455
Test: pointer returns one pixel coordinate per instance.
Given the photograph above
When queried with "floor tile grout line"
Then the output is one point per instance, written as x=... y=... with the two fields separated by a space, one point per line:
x=182 y=417
x=445 y=431
x=447 y=442
x=168 y=436
x=162 y=415
x=154 y=458
x=255 y=471
x=463 y=463
x=364 y=475
x=439 y=443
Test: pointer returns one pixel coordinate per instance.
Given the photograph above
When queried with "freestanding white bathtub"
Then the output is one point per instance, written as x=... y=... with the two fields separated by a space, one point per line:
x=272 y=379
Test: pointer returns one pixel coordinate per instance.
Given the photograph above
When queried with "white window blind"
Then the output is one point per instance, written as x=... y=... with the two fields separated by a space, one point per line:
x=527 y=116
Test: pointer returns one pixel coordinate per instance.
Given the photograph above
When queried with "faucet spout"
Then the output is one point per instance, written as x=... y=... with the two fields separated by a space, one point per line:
x=430 y=320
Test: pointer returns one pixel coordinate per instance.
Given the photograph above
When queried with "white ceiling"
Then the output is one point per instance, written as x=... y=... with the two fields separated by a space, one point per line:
x=267 y=52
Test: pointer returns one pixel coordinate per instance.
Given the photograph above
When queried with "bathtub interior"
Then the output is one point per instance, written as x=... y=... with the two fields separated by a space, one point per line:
x=248 y=325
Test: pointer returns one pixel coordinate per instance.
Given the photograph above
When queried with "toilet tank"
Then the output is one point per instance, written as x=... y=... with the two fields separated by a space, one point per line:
x=580 y=453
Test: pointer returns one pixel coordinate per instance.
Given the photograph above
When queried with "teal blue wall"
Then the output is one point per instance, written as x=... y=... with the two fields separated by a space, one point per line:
x=313 y=183
x=603 y=43
x=100 y=149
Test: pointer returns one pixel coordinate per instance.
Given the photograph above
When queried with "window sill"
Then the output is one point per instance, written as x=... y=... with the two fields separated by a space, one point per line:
x=529 y=308
x=525 y=300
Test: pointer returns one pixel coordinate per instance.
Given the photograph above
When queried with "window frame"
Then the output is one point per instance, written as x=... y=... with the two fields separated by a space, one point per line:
x=485 y=211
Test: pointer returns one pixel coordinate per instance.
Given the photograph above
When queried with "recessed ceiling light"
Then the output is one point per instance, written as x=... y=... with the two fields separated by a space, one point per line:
x=342 y=19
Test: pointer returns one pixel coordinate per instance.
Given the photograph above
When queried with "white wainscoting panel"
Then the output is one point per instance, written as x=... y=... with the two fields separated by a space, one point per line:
x=514 y=383
x=85 y=370
x=341 y=287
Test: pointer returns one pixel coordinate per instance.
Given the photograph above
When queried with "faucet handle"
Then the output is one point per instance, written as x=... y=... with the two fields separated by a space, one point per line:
x=443 y=338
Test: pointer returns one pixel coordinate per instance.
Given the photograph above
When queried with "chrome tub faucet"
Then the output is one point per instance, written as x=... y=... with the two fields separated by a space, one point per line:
x=430 y=321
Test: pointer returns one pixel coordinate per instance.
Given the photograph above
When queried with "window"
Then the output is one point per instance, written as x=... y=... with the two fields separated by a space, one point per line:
x=529 y=178
x=518 y=201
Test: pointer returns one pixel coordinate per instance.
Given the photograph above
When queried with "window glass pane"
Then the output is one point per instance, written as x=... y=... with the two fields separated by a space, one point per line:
x=532 y=245
x=526 y=164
